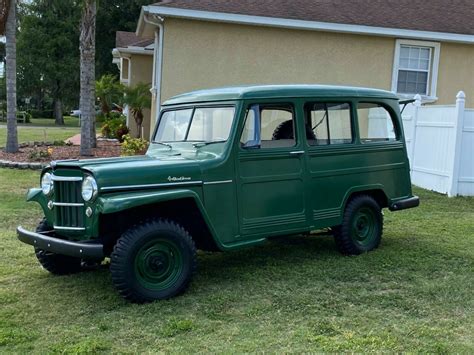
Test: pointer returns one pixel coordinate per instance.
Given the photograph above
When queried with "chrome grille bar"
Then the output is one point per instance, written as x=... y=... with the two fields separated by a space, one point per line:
x=66 y=178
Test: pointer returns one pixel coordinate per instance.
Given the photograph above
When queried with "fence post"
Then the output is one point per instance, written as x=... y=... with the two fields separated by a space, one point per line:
x=456 y=157
x=416 y=112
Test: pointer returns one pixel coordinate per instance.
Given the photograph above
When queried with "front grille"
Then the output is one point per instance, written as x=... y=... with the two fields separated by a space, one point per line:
x=69 y=205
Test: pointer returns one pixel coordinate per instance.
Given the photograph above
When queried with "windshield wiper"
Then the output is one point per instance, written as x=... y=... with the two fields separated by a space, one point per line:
x=202 y=144
x=165 y=144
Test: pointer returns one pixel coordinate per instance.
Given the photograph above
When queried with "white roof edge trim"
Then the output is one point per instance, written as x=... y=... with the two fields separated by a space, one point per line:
x=136 y=50
x=302 y=24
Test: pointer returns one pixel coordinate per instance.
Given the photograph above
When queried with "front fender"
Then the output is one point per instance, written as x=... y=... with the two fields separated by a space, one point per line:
x=37 y=195
x=122 y=201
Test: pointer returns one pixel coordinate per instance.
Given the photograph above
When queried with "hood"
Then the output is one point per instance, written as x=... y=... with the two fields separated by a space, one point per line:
x=141 y=170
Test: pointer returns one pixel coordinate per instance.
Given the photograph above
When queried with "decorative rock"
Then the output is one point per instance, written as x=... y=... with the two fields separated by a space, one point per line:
x=23 y=165
x=36 y=166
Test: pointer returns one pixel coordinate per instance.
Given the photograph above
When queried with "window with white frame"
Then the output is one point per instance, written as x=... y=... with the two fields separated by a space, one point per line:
x=416 y=68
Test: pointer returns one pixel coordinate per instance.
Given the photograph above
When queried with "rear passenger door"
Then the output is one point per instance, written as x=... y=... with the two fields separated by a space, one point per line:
x=270 y=172
x=330 y=159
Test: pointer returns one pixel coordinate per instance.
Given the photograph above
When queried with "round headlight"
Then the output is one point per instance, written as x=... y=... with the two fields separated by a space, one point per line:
x=47 y=183
x=89 y=188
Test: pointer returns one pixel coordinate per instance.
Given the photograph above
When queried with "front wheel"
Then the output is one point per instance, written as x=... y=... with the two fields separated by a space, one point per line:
x=56 y=264
x=361 y=228
x=154 y=260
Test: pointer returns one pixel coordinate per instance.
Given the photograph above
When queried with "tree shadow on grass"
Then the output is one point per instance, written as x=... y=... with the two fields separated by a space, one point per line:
x=294 y=260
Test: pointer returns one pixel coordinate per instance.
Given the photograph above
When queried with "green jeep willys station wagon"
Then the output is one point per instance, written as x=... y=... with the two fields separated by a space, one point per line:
x=227 y=168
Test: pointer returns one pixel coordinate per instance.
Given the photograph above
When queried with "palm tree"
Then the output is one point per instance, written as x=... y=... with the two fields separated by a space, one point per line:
x=108 y=90
x=138 y=98
x=87 y=99
x=10 y=49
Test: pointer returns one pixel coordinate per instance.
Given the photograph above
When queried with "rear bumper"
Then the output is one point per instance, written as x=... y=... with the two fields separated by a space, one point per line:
x=405 y=203
x=61 y=246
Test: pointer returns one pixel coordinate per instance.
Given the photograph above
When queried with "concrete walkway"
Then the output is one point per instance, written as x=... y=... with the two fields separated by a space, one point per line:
x=76 y=139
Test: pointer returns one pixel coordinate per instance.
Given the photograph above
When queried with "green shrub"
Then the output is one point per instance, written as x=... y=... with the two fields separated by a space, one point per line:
x=134 y=146
x=41 y=113
x=114 y=127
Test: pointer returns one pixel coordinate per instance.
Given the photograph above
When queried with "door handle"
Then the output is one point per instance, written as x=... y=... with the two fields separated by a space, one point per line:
x=297 y=152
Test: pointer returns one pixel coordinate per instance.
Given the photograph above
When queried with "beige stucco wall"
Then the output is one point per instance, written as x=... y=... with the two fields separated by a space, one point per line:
x=203 y=54
x=141 y=71
x=199 y=55
x=456 y=72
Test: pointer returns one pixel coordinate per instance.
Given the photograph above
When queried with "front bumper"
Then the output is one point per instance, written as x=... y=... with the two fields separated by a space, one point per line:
x=90 y=250
x=405 y=203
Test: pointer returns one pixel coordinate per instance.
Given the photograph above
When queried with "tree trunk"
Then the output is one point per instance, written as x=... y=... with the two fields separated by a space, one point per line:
x=58 y=112
x=10 y=49
x=87 y=99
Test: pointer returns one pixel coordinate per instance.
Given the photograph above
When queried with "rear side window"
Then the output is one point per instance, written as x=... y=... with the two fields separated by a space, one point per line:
x=375 y=123
x=329 y=123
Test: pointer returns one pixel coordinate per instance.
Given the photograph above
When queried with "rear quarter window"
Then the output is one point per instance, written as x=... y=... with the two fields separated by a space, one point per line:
x=375 y=123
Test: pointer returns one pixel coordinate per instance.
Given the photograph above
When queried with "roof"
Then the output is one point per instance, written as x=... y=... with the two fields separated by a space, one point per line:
x=125 y=39
x=422 y=15
x=277 y=91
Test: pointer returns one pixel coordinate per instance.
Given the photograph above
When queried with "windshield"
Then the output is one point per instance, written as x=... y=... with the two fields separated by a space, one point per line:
x=200 y=124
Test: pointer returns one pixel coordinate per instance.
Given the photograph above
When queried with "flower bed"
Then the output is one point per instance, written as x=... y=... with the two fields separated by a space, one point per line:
x=36 y=155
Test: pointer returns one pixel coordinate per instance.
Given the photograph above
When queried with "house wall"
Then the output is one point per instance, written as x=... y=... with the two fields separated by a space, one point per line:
x=201 y=54
x=141 y=71
x=456 y=73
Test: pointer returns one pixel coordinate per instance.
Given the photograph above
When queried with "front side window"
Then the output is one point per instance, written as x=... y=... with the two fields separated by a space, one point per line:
x=375 y=123
x=202 y=124
x=268 y=126
x=416 y=68
x=330 y=123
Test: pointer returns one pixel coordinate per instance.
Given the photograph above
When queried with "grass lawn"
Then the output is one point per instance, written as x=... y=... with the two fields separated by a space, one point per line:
x=44 y=129
x=29 y=134
x=413 y=294
x=69 y=121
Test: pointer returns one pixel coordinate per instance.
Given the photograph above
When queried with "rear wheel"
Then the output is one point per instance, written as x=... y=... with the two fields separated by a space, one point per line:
x=55 y=263
x=361 y=228
x=154 y=260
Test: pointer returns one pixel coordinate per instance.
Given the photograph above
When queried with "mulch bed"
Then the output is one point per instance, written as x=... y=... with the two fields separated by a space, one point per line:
x=104 y=149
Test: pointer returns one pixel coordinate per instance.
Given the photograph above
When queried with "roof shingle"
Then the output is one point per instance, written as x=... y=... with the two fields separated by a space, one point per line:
x=455 y=16
x=125 y=39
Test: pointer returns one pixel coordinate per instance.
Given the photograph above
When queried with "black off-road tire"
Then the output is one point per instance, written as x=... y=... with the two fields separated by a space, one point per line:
x=55 y=263
x=153 y=260
x=361 y=228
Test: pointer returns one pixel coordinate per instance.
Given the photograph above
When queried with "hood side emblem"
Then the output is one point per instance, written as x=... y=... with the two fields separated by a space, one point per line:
x=180 y=178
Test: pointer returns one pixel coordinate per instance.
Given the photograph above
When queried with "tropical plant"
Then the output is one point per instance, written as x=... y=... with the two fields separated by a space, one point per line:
x=108 y=91
x=134 y=146
x=10 y=49
x=87 y=59
x=137 y=99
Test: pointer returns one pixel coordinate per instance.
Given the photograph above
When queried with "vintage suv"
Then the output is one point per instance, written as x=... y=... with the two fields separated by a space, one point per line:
x=227 y=168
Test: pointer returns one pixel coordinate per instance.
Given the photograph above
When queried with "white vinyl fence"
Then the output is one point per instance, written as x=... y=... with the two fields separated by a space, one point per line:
x=440 y=144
